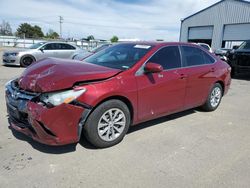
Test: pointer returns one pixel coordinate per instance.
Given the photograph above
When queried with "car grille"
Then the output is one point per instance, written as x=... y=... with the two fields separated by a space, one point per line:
x=17 y=100
x=17 y=93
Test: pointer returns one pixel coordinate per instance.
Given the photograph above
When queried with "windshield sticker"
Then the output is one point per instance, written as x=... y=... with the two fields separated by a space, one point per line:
x=142 y=46
x=125 y=67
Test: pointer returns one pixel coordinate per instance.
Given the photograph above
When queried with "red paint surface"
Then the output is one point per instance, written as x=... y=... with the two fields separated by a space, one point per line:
x=56 y=74
x=150 y=95
x=62 y=120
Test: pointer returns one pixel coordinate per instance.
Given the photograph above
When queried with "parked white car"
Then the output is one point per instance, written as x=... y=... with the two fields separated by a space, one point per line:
x=25 y=57
x=206 y=46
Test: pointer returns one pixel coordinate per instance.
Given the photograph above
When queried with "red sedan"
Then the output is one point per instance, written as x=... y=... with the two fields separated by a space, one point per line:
x=54 y=101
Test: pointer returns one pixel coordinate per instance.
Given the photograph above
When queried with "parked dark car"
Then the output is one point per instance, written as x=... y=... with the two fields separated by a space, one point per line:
x=222 y=53
x=56 y=100
x=239 y=59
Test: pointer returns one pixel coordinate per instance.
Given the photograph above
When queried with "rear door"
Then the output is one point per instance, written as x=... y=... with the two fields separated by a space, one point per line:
x=164 y=92
x=65 y=50
x=200 y=71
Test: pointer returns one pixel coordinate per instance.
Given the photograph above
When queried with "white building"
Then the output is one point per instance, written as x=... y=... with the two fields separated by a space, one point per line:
x=220 y=25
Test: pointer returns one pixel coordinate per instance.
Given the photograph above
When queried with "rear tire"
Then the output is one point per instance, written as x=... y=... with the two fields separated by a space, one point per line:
x=107 y=124
x=27 y=61
x=214 y=98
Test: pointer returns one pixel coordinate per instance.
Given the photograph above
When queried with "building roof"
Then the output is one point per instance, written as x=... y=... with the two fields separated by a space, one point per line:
x=242 y=1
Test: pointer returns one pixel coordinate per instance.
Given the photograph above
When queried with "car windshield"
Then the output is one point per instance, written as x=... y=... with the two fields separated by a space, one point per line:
x=245 y=45
x=36 y=45
x=120 y=56
x=99 y=48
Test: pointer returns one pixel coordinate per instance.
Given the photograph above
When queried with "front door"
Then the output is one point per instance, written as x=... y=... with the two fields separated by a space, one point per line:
x=48 y=50
x=164 y=92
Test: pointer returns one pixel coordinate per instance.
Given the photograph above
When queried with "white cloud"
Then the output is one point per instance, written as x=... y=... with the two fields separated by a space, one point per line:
x=147 y=19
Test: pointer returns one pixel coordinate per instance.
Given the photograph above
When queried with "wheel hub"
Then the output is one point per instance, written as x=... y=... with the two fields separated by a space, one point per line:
x=215 y=97
x=111 y=124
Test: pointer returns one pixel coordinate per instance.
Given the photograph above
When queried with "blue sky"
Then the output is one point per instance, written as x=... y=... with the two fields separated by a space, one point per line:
x=141 y=19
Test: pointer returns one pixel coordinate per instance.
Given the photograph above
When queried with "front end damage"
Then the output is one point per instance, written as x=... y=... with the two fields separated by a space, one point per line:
x=57 y=125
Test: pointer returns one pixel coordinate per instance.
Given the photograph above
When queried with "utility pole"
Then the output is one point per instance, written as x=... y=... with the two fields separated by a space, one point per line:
x=60 y=22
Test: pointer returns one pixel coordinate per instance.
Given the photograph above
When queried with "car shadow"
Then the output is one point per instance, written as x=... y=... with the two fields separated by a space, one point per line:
x=13 y=66
x=160 y=120
x=42 y=147
x=84 y=143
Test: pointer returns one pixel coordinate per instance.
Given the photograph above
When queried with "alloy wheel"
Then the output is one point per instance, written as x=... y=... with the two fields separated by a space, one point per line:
x=111 y=124
x=215 y=97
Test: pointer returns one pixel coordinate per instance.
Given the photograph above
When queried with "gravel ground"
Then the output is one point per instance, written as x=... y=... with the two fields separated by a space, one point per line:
x=188 y=149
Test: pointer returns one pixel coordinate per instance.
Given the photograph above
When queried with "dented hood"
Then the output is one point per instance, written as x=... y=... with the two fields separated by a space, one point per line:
x=56 y=74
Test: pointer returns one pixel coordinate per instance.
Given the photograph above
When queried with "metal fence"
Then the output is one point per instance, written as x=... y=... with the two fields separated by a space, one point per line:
x=12 y=41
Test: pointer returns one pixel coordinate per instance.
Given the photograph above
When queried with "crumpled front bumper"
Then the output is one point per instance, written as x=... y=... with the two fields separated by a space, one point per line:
x=56 y=126
x=59 y=125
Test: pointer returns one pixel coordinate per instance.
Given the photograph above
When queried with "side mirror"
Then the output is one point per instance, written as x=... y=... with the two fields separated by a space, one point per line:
x=223 y=58
x=235 y=47
x=41 y=49
x=152 y=68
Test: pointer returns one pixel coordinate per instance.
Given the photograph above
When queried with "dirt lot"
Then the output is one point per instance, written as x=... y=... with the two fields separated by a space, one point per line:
x=189 y=149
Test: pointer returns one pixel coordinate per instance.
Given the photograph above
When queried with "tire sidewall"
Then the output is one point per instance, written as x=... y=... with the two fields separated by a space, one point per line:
x=91 y=125
x=22 y=59
x=208 y=103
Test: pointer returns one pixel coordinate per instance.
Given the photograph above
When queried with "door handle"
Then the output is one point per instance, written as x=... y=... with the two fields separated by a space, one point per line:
x=212 y=70
x=183 y=76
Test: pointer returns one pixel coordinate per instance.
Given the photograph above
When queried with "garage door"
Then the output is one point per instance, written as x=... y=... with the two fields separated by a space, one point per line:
x=236 y=32
x=200 y=32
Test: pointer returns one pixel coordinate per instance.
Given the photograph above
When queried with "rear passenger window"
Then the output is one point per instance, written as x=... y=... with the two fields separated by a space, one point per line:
x=193 y=56
x=67 y=47
x=208 y=59
x=168 y=57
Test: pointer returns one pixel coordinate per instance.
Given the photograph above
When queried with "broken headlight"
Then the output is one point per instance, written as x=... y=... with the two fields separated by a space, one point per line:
x=57 y=98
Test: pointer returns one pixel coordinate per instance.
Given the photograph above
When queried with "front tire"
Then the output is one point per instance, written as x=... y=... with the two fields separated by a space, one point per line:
x=214 y=98
x=27 y=61
x=107 y=124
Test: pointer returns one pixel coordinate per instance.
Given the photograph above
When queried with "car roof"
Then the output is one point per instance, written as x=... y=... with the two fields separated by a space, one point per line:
x=200 y=43
x=60 y=42
x=51 y=42
x=159 y=43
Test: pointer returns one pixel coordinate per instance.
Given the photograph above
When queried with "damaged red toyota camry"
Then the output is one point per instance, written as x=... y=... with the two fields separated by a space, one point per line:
x=57 y=101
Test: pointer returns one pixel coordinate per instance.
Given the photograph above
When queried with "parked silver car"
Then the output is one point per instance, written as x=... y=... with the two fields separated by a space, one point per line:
x=26 y=57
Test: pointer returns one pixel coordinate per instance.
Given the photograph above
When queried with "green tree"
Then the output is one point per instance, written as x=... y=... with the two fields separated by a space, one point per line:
x=114 y=39
x=52 y=34
x=37 y=32
x=29 y=31
x=5 y=28
x=26 y=29
x=90 y=37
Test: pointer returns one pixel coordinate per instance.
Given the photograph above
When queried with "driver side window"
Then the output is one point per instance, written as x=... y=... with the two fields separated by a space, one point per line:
x=168 y=57
x=51 y=46
x=48 y=47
